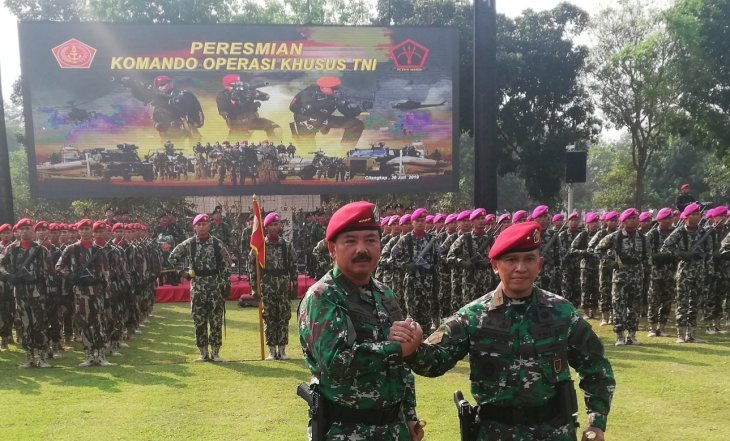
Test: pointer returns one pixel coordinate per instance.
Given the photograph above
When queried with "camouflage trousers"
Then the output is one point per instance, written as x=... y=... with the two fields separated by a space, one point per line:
x=277 y=310
x=53 y=314
x=207 y=306
x=493 y=431
x=713 y=298
x=114 y=313
x=399 y=289
x=571 y=288
x=589 y=285
x=66 y=311
x=549 y=279
x=419 y=295
x=626 y=297
x=7 y=310
x=349 y=432
x=32 y=317
x=661 y=295
x=474 y=284
x=89 y=318
x=723 y=287
x=688 y=292
x=444 y=291
x=457 y=290
x=133 y=298
x=605 y=275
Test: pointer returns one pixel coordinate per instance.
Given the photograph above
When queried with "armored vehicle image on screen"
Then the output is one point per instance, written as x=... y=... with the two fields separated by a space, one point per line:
x=121 y=162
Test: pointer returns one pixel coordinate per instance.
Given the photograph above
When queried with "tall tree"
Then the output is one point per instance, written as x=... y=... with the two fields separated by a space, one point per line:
x=544 y=105
x=51 y=10
x=161 y=11
x=635 y=81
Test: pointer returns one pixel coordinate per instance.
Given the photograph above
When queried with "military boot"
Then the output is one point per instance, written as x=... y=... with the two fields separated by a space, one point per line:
x=660 y=330
x=282 y=353
x=681 y=334
x=56 y=349
x=620 y=339
x=88 y=360
x=604 y=318
x=66 y=343
x=115 y=349
x=692 y=336
x=215 y=354
x=43 y=362
x=272 y=353
x=101 y=359
x=203 y=353
x=28 y=360
x=632 y=340
x=652 y=330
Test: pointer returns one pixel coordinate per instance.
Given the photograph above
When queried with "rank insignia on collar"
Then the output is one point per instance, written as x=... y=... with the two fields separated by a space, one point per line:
x=557 y=365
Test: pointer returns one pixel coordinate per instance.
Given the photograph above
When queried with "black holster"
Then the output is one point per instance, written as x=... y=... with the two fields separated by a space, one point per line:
x=468 y=422
x=318 y=421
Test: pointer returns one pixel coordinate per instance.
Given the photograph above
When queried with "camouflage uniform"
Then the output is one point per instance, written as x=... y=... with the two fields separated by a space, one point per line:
x=53 y=298
x=322 y=258
x=723 y=262
x=277 y=280
x=343 y=330
x=7 y=305
x=114 y=301
x=392 y=273
x=418 y=283
x=689 y=277
x=605 y=276
x=221 y=230
x=380 y=271
x=468 y=255
x=713 y=295
x=87 y=269
x=30 y=292
x=631 y=253
x=443 y=271
x=208 y=289
x=550 y=251
x=569 y=268
x=588 y=272
x=662 y=284
x=519 y=353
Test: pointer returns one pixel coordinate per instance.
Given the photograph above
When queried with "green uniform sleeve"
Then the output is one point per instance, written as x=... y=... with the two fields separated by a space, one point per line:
x=443 y=349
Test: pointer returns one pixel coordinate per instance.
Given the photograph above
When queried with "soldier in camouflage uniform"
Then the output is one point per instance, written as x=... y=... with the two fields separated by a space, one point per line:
x=684 y=243
x=464 y=226
x=49 y=239
x=345 y=320
x=588 y=266
x=390 y=255
x=419 y=275
x=25 y=264
x=605 y=268
x=385 y=271
x=630 y=252
x=321 y=256
x=570 y=263
x=7 y=301
x=549 y=250
x=444 y=269
x=209 y=276
x=712 y=295
x=723 y=260
x=219 y=227
x=85 y=266
x=278 y=280
x=118 y=283
x=522 y=387
x=663 y=268
x=469 y=254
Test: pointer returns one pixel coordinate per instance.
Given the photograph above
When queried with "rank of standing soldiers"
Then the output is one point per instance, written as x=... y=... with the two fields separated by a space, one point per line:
x=89 y=281
x=617 y=267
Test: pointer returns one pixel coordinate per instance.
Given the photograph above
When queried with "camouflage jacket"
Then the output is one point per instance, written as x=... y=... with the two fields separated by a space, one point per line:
x=221 y=230
x=565 y=242
x=682 y=243
x=343 y=330
x=203 y=259
x=281 y=259
x=518 y=351
x=408 y=248
x=595 y=240
x=86 y=263
x=579 y=247
x=625 y=248
x=469 y=246
x=32 y=278
x=550 y=251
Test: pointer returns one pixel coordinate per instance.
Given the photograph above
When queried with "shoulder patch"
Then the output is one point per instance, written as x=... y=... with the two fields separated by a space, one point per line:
x=437 y=336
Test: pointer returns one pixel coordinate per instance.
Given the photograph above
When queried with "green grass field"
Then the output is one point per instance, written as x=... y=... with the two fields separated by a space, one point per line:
x=664 y=391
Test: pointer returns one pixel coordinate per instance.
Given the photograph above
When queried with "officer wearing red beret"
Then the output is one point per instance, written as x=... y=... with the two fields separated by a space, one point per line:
x=344 y=319
x=24 y=264
x=523 y=389
x=314 y=109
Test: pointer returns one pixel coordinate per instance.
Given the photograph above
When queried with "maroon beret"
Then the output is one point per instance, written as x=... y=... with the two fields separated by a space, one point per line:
x=429 y=219
x=664 y=213
x=645 y=216
x=504 y=218
x=271 y=217
x=590 y=217
x=405 y=219
x=477 y=213
x=394 y=220
x=690 y=209
x=609 y=215
x=418 y=212
x=628 y=213
x=199 y=218
x=573 y=215
x=99 y=225
x=25 y=222
x=540 y=210
x=361 y=215
x=438 y=217
x=519 y=215
x=40 y=225
x=4 y=227
x=464 y=215
x=520 y=237
x=85 y=223
x=450 y=218
x=558 y=217
x=117 y=226
x=489 y=218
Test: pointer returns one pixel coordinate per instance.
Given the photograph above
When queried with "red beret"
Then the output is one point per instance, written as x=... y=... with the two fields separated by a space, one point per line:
x=25 y=222
x=117 y=226
x=418 y=213
x=85 y=223
x=4 y=227
x=40 y=225
x=361 y=215
x=405 y=219
x=683 y=186
x=628 y=213
x=201 y=218
x=73 y=227
x=558 y=217
x=100 y=225
x=329 y=82
x=524 y=236
x=271 y=217
x=54 y=226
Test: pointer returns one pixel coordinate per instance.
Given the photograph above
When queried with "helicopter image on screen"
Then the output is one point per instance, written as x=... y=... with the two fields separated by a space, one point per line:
x=415 y=105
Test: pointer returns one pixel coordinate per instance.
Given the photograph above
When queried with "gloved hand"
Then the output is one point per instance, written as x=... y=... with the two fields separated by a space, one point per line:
x=466 y=264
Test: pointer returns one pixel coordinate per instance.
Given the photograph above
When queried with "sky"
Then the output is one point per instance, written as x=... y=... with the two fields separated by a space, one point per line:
x=10 y=58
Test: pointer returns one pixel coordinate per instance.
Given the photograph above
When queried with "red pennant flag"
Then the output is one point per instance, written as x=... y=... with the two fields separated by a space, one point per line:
x=258 y=244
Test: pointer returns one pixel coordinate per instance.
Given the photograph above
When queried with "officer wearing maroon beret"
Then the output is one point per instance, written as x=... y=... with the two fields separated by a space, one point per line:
x=523 y=389
x=344 y=319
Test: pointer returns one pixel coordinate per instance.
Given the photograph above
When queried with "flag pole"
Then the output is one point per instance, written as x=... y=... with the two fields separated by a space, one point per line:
x=261 y=308
x=258 y=244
